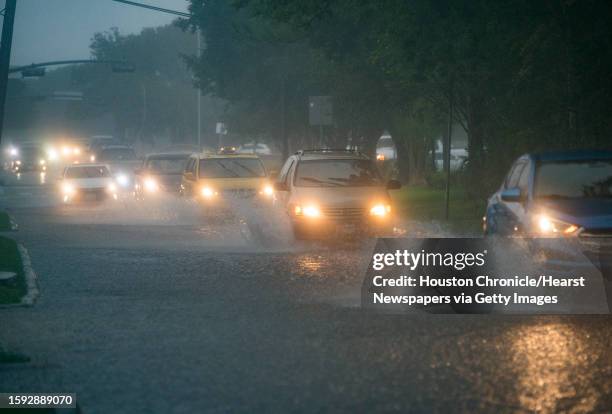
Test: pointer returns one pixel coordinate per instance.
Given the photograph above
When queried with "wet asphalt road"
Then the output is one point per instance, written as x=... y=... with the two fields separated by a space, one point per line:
x=154 y=308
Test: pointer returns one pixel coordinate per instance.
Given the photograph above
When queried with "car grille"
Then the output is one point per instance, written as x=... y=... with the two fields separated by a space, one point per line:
x=240 y=193
x=347 y=213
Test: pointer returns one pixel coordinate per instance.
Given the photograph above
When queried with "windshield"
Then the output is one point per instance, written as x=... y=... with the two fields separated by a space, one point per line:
x=574 y=179
x=231 y=168
x=117 y=154
x=170 y=165
x=87 y=172
x=337 y=173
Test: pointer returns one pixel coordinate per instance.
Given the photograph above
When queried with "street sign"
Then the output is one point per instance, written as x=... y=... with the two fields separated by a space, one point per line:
x=221 y=129
x=320 y=111
x=33 y=72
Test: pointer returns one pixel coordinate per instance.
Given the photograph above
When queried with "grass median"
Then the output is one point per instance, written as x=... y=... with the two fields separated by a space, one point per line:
x=10 y=261
x=5 y=221
x=428 y=204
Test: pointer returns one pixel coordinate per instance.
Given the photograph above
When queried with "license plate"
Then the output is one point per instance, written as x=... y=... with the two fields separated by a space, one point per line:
x=347 y=228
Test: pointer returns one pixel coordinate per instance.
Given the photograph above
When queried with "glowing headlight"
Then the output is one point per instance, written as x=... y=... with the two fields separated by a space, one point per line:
x=380 y=157
x=208 y=192
x=380 y=210
x=42 y=162
x=151 y=185
x=52 y=154
x=13 y=152
x=307 y=211
x=76 y=151
x=123 y=180
x=18 y=162
x=65 y=150
x=549 y=226
x=111 y=188
x=268 y=190
x=68 y=189
x=92 y=158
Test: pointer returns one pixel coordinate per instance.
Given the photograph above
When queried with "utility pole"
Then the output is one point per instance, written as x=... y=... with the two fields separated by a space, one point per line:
x=199 y=92
x=447 y=155
x=5 y=55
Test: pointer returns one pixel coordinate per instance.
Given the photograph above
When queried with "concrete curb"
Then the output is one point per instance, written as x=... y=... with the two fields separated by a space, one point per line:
x=31 y=281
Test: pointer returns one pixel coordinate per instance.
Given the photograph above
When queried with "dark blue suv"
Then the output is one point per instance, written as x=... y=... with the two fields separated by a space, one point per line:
x=554 y=194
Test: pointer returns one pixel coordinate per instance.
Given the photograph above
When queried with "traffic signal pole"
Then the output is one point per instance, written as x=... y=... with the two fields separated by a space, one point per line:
x=5 y=55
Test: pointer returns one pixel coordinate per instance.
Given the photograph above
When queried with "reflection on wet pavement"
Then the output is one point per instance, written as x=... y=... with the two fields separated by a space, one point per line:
x=552 y=366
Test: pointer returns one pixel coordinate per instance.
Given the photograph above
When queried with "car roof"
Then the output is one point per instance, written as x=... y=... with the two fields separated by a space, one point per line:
x=210 y=156
x=91 y=164
x=169 y=154
x=330 y=154
x=571 y=155
x=117 y=147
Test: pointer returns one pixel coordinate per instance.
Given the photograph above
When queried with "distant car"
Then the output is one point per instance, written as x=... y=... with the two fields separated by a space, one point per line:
x=329 y=192
x=98 y=142
x=122 y=161
x=160 y=173
x=252 y=148
x=87 y=182
x=29 y=158
x=214 y=178
x=554 y=194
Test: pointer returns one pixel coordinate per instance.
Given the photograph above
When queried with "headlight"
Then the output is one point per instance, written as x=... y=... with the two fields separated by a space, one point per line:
x=42 y=162
x=549 y=226
x=92 y=158
x=208 y=192
x=52 y=154
x=380 y=210
x=150 y=184
x=68 y=189
x=123 y=180
x=13 y=152
x=65 y=150
x=76 y=151
x=268 y=190
x=111 y=188
x=307 y=211
x=18 y=162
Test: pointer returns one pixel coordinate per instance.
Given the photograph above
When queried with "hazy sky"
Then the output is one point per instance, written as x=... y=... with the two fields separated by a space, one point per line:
x=62 y=29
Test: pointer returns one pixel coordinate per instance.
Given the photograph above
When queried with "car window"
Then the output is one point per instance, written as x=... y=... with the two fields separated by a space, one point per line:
x=231 y=168
x=574 y=179
x=87 y=172
x=189 y=165
x=166 y=165
x=513 y=177
x=523 y=181
x=117 y=154
x=337 y=173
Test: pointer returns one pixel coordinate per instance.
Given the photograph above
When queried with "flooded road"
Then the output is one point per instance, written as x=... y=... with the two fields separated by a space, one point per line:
x=157 y=307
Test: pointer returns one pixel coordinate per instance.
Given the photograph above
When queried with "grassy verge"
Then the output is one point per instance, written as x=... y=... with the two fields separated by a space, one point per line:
x=7 y=357
x=10 y=261
x=426 y=204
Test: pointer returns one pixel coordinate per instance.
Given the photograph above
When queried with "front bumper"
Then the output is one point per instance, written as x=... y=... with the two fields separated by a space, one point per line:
x=343 y=222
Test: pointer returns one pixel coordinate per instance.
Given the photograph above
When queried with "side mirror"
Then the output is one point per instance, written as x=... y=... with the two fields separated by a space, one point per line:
x=280 y=186
x=512 y=195
x=393 y=185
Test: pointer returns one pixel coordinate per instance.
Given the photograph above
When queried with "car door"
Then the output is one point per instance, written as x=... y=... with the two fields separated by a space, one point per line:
x=188 y=181
x=281 y=198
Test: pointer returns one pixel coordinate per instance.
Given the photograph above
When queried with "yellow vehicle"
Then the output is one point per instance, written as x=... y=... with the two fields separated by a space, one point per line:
x=334 y=192
x=213 y=179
